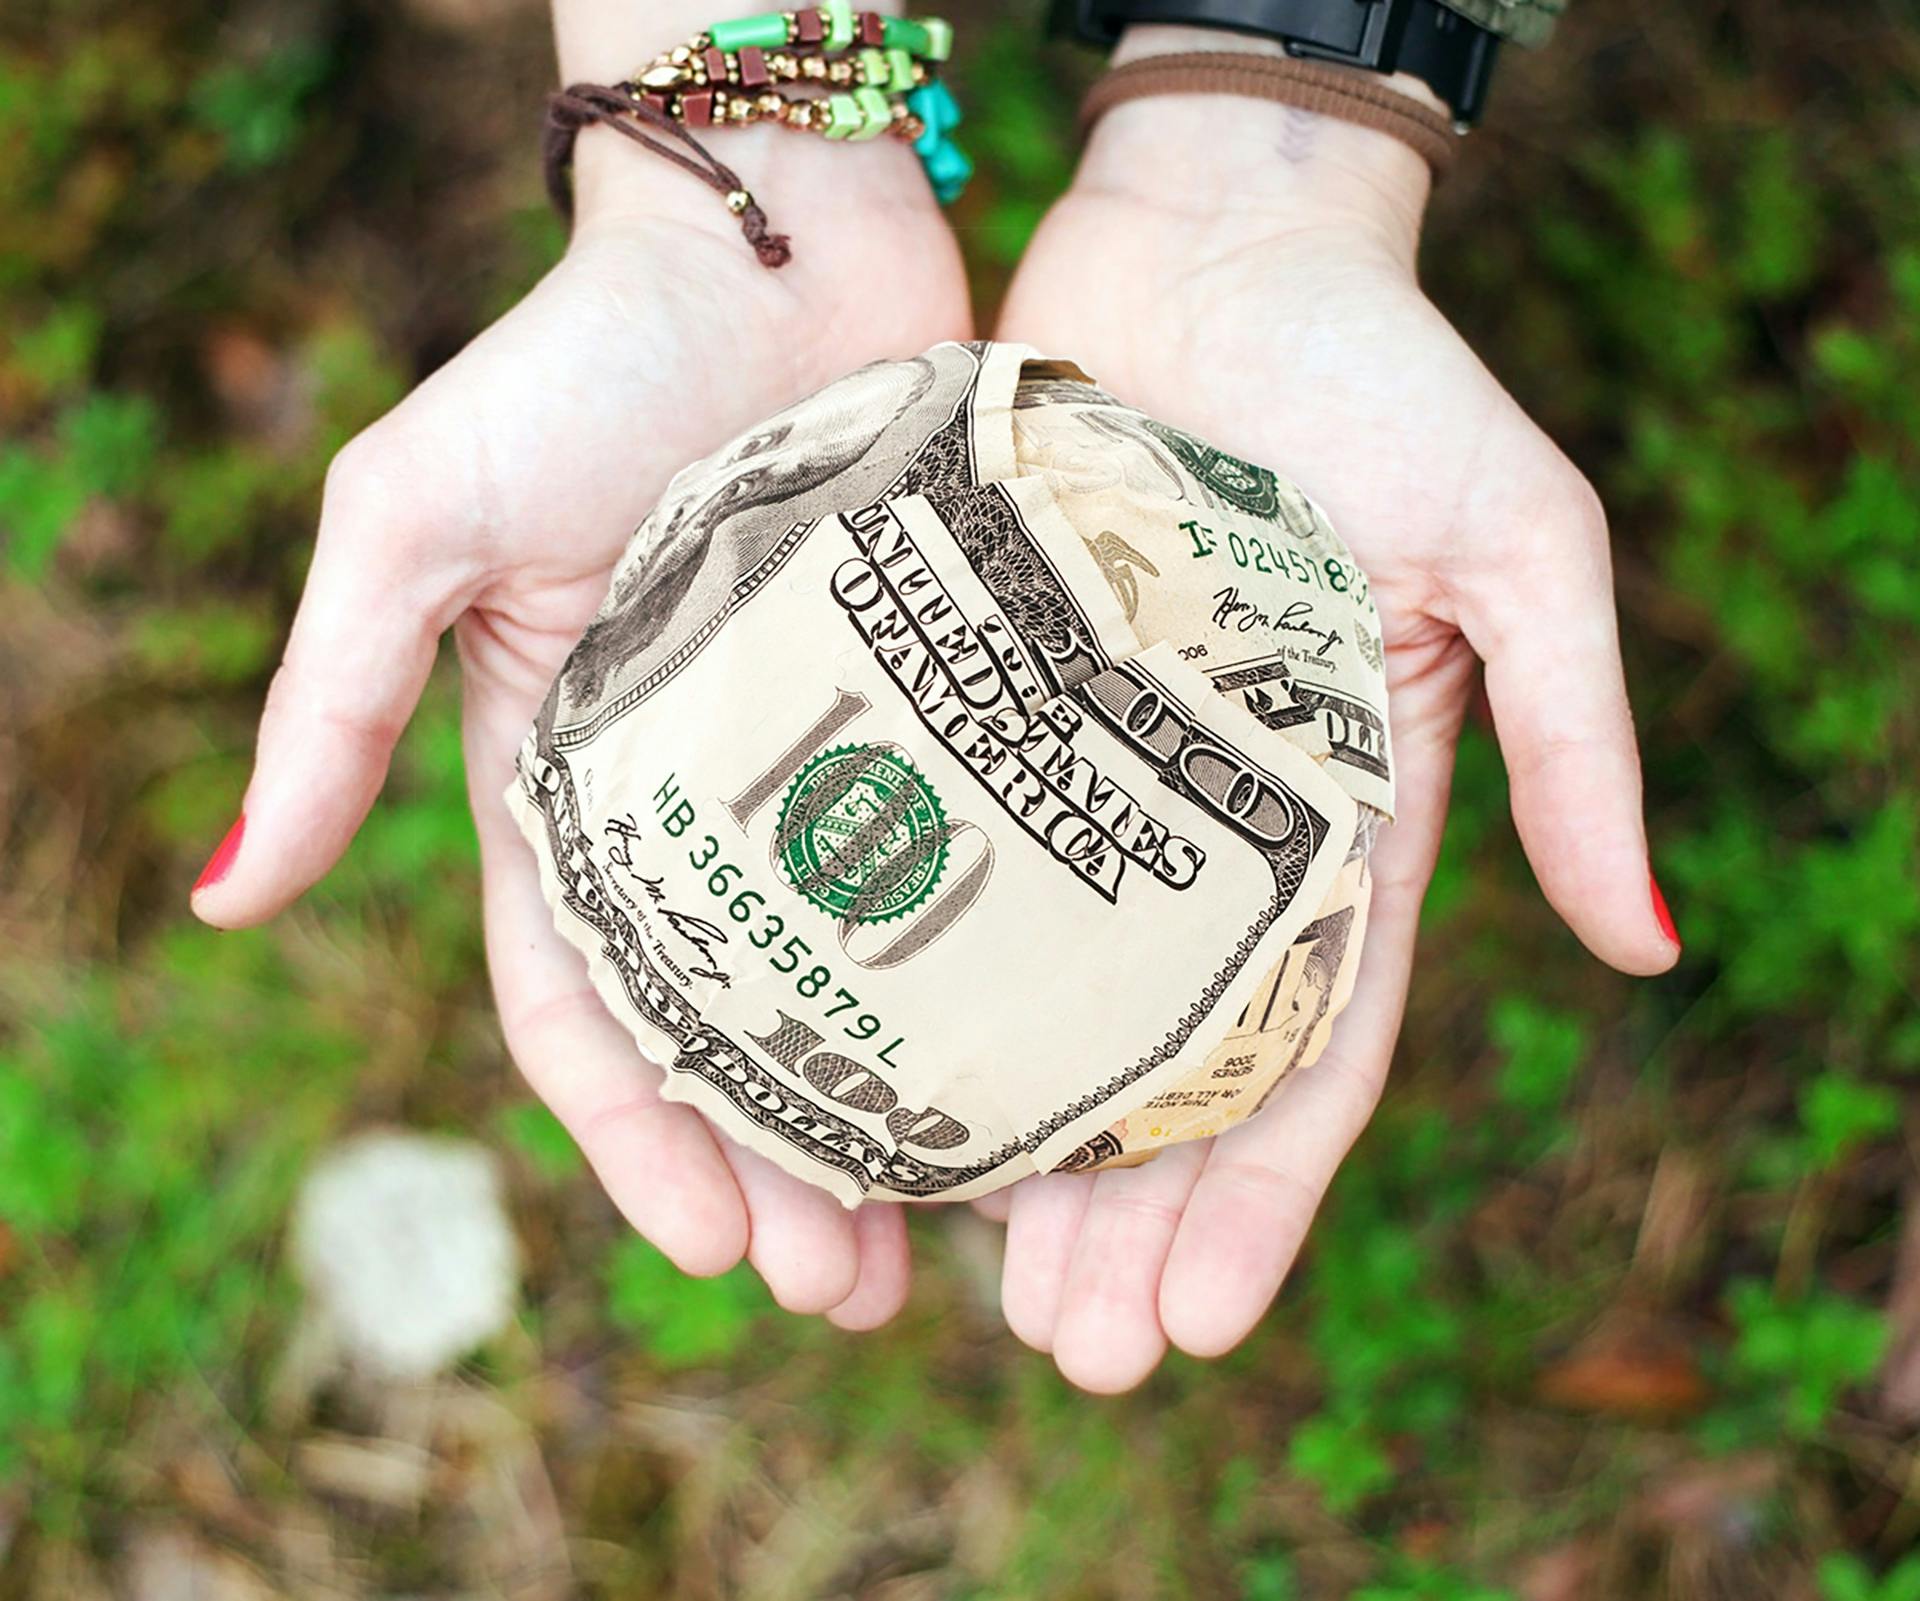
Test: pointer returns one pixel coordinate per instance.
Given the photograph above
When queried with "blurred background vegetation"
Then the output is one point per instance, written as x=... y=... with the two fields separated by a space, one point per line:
x=1620 y=1296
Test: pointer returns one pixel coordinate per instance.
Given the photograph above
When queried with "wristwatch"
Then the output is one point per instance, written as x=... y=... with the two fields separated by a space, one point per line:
x=1451 y=54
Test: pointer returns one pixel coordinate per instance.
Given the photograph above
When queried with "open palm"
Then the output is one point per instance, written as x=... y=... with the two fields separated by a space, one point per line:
x=495 y=501
x=1303 y=343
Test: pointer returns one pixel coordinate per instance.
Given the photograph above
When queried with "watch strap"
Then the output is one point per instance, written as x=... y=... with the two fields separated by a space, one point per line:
x=1423 y=38
x=1330 y=91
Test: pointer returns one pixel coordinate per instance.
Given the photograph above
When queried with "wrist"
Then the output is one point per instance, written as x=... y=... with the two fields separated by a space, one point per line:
x=1255 y=163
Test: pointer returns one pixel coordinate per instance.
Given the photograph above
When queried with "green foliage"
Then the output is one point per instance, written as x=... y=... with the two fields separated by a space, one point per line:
x=1421 y=1581
x=1719 y=318
x=1794 y=1359
x=256 y=108
x=541 y=1138
x=1844 y=1577
x=146 y=1155
x=1840 y=1113
x=1544 y=1049
x=682 y=1322
x=1341 y=1458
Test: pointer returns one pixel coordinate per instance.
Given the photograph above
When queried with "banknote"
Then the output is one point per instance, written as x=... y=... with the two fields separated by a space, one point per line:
x=1228 y=559
x=890 y=832
x=1284 y=1027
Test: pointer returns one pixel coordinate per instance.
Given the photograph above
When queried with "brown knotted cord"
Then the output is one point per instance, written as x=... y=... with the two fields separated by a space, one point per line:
x=580 y=104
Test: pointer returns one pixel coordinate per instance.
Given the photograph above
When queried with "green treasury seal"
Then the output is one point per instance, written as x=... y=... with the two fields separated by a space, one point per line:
x=862 y=834
x=1252 y=489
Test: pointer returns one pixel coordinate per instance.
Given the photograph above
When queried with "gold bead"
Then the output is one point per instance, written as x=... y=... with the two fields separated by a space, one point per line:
x=681 y=55
x=739 y=110
x=738 y=200
x=812 y=67
x=782 y=66
x=770 y=104
x=840 y=72
x=662 y=76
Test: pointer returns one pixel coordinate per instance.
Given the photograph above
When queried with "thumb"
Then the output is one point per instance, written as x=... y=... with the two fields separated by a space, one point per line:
x=1544 y=624
x=378 y=596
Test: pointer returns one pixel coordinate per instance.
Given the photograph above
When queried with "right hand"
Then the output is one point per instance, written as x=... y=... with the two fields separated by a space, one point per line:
x=1247 y=272
x=495 y=500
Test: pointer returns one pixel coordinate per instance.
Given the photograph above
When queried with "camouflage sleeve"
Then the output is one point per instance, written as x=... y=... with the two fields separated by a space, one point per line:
x=1525 y=22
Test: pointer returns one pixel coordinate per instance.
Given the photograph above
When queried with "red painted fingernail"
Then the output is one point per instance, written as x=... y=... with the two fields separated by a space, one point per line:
x=1660 y=909
x=220 y=863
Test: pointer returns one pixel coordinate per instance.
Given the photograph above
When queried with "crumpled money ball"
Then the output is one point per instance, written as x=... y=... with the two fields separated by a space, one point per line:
x=968 y=776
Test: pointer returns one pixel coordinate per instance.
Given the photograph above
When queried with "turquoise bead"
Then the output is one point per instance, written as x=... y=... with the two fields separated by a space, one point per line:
x=843 y=116
x=876 y=112
x=839 y=14
x=933 y=104
x=948 y=170
x=768 y=32
x=906 y=34
x=939 y=34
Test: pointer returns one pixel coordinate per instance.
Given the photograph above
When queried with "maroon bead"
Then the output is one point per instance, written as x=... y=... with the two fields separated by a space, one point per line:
x=753 y=68
x=716 y=62
x=873 y=31
x=657 y=100
x=696 y=108
x=809 y=27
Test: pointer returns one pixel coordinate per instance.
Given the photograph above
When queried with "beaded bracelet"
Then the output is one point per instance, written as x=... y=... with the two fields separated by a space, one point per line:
x=869 y=75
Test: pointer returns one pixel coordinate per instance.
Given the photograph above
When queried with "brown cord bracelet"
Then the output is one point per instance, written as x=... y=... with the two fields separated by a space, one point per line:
x=623 y=110
x=1304 y=85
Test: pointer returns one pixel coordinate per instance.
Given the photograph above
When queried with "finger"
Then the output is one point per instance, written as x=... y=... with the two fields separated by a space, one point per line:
x=376 y=601
x=1043 y=1220
x=994 y=1207
x=1107 y=1335
x=658 y=1161
x=801 y=1240
x=1545 y=626
x=1263 y=1181
x=885 y=1272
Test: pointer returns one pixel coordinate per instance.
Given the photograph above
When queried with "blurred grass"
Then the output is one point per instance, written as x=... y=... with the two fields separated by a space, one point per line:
x=1598 y=1306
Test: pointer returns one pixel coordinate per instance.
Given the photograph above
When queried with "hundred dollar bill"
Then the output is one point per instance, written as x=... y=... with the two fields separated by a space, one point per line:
x=894 y=827
x=920 y=868
x=1232 y=562
x=1284 y=1027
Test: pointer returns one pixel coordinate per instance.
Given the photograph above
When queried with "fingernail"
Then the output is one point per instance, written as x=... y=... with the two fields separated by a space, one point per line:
x=1660 y=909
x=220 y=863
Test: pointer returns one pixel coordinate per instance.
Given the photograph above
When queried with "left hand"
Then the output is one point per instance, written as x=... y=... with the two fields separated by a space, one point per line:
x=1247 y=272
x=494 y=501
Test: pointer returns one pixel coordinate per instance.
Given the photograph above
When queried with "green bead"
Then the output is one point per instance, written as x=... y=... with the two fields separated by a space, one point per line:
x=905 y=33
x=874 y=68
x=839 y=14
x=939 y=34
x=843 y=116
x=768 y=31
x=874 y=107
x=901 y=66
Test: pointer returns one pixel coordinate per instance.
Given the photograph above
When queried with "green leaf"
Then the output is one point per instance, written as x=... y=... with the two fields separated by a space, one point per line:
x=542 y=1139
x=1544 y=1049
x=1802 y=1355
x=684 y=1322
x=1341 y=1459
x=1840 y=1113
